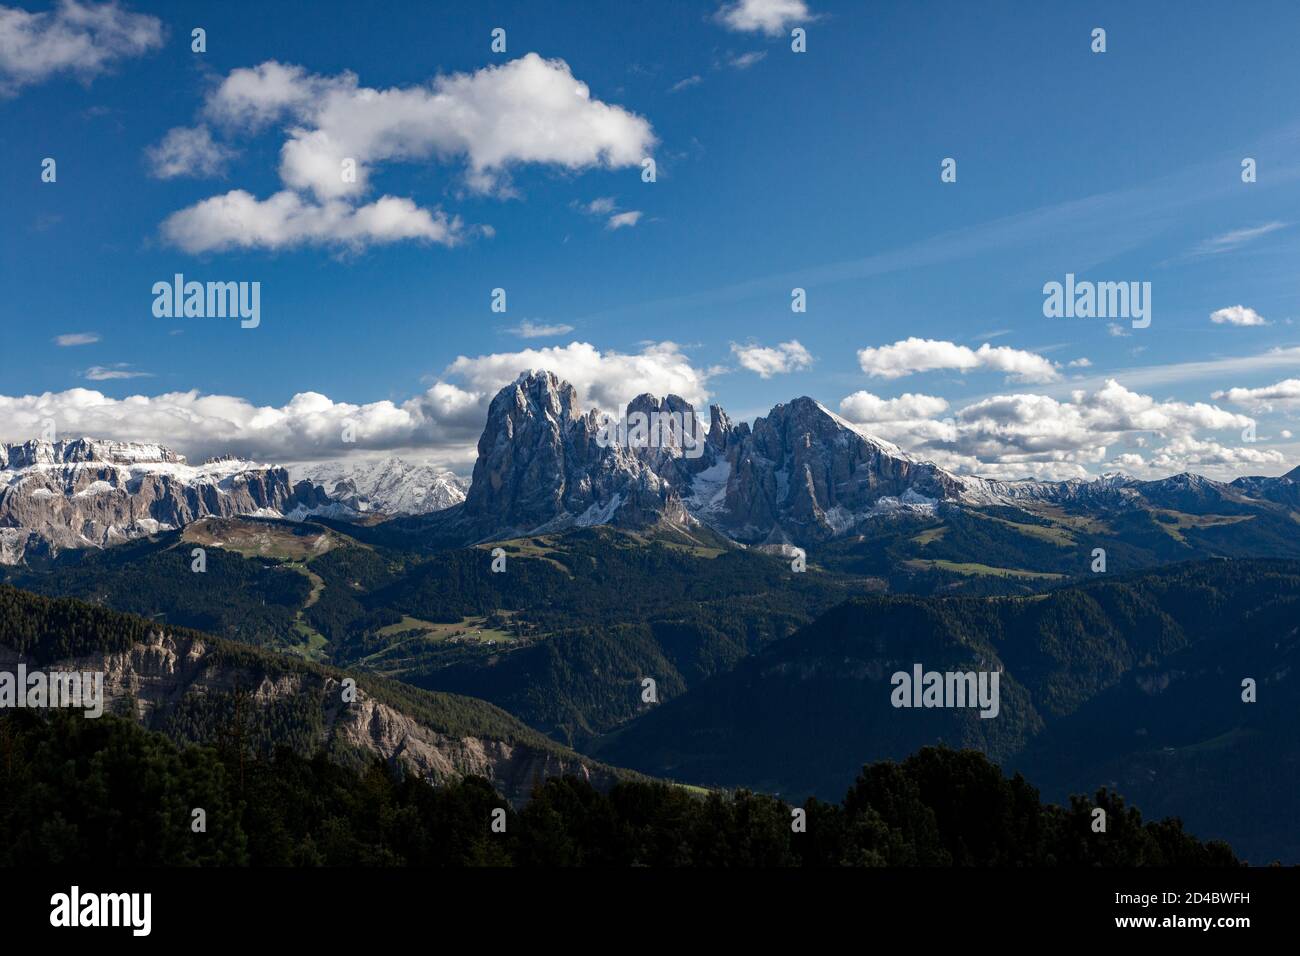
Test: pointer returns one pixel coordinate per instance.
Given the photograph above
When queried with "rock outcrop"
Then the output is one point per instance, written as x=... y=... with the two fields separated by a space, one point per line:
x=168 y=674
x=87 y=493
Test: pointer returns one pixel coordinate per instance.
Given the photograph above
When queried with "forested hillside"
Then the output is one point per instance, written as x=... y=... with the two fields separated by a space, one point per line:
x=107 y=793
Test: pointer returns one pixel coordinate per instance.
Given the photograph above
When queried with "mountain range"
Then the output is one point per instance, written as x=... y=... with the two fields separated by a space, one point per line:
x=799 y=477
x=631 y=559
x=803 y=477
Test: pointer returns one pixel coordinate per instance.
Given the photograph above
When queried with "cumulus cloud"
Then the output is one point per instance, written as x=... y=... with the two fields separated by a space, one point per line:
x=82 y=39
x=443 y=423
x=1284 y=394
x=240 y=220
x=1186 y=452
x=786 y=357
x=763 y=16
x=308 y=427
x=188 y=151
x=863 y=408
x=912 y=355
x=607 y=379
x=528 y=111
x=1237 y=315
x=1029 y=435
x=69 y=339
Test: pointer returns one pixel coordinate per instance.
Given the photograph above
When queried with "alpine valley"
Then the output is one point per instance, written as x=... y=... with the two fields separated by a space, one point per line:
x=766 y=588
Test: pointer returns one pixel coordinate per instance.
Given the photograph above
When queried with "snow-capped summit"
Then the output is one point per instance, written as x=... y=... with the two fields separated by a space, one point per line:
x=391 y=486
x=91 y=493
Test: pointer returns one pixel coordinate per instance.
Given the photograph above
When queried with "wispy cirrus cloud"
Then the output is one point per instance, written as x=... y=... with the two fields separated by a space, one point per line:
x=109 y=373
x=1233 y=240
x=531 y=330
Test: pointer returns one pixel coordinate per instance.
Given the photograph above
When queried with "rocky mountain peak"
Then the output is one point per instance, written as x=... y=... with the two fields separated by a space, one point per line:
x=76 y=450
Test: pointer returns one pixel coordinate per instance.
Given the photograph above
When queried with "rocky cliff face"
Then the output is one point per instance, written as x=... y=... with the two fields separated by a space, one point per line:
x=166 y=672
x=806 y=475
x=800 y=475
x=87 y=493
x=542 y=466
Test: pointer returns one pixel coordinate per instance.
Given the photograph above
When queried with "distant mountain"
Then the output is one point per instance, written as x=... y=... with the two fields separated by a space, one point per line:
x=86 y=493
x=1132 y=682
x=388 y=486
x=803 y=476
x=800 y=477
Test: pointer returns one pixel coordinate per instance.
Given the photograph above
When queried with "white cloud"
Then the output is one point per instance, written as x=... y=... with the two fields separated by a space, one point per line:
x=76 y=338
x=1185 y=453
x=108 y=373
x=530 y=110
x=763 y=16
x=310 y=426
x=1237 y=315
x=912 y=355
x=1080 y=363
x=745 y=60
x=607 y=207
x=188 y=151
x=1285 y=394
x=864 y=408
x=786 y=357
x=530 y=330
x=687 y=83
x=240 y=220
x=607 y=379
x=443 y=423
x=1029 y=435
x=1235 y=239
x=624 y=219
x=83 y=39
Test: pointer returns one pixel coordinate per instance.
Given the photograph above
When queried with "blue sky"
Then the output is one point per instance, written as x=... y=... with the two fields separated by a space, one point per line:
x=775 y=169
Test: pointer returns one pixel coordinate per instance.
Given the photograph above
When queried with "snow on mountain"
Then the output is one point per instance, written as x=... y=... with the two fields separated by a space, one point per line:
x=799 y=475
x=88 y=493
x=387 y=486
